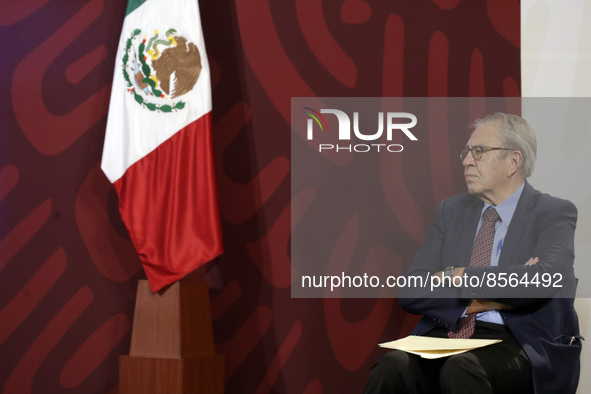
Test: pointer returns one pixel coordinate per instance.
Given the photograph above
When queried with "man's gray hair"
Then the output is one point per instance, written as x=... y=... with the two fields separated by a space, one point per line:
x=515 y=134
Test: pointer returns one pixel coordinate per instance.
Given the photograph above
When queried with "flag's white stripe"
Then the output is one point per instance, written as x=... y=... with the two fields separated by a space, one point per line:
x=134 y=131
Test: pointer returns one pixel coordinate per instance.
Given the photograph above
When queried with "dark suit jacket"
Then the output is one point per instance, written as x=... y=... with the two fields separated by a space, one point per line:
x=544 y=321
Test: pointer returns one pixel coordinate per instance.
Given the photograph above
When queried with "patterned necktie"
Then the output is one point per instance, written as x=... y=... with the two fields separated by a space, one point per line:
x=481 y=252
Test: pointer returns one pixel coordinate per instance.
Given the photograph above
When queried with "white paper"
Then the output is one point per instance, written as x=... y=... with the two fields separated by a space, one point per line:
x=429 y=347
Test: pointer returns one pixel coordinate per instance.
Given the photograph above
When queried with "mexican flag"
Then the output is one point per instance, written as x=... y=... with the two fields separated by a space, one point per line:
x=158 y=150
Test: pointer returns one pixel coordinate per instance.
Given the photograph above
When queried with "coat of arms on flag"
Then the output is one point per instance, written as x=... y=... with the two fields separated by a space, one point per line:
x=158 y=70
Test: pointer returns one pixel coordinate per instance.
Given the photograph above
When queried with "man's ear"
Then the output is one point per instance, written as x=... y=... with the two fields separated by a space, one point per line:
x=515 y=159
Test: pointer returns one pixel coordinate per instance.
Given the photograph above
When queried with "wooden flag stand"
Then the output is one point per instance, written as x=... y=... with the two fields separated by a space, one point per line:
x=172 y=349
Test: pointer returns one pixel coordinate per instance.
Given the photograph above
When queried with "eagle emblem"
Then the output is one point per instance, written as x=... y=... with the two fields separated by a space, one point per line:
x=160 y=70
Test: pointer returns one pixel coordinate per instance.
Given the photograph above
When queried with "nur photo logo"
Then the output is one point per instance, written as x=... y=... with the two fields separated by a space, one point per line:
x=388 y=125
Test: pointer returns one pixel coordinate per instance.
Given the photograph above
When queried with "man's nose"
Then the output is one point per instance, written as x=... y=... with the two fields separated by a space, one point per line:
x=468 y=160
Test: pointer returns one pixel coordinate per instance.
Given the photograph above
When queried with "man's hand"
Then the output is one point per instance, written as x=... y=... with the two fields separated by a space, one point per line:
x=477 y=306
x=458 y=272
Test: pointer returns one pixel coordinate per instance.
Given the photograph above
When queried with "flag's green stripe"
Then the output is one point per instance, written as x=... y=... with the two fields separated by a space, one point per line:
x=132 y=5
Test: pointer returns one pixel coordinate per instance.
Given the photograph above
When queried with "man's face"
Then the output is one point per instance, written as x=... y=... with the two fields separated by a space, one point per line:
x=486 y=177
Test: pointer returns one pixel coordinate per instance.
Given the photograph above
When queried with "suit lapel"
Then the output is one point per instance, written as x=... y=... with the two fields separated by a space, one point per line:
x=517 y=226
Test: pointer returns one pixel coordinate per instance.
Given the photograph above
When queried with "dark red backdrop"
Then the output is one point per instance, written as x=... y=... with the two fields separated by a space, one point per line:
x=68 y=271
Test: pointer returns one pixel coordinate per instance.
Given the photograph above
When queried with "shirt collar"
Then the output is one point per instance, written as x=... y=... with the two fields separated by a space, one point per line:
x=506 y=209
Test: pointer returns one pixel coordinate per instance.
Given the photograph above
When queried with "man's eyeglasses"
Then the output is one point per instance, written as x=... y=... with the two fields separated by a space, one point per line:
x=478 y=151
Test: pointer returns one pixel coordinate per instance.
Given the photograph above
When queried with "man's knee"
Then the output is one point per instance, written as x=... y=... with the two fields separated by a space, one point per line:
x=388 y=373
x=464 y=373
x=394 y=360
x=391 y=365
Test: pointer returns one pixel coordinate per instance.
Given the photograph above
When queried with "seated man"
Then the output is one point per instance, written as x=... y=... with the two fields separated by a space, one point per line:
x=512 y=235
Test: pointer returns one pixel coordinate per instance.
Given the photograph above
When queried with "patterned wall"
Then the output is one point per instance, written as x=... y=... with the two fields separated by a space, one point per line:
x=68 y=272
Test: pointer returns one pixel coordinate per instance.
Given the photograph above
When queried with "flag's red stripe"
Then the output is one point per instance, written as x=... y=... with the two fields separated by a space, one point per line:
x=168 y=202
